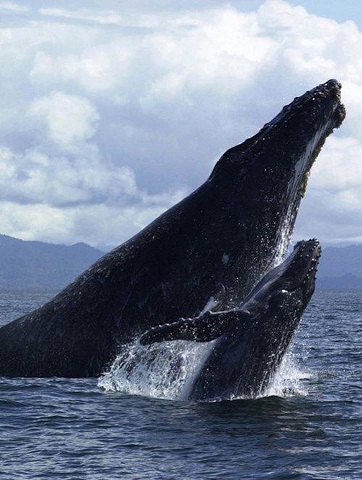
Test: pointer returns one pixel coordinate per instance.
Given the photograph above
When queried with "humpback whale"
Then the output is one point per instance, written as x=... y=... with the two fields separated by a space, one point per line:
x=205 y=253
x=253 y=337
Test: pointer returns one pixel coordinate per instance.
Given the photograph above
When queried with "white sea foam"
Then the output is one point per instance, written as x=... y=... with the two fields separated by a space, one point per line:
x=167 y=370
x=288 y=380
x=162 y=370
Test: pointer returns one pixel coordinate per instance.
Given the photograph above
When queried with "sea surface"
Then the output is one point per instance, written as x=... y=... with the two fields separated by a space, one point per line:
x=308 y=427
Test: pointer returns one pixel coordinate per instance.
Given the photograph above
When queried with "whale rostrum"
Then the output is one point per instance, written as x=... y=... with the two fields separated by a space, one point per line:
x=205 y=253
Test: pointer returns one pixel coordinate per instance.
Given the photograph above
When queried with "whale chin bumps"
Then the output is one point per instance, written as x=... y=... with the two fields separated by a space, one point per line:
x=201 y=257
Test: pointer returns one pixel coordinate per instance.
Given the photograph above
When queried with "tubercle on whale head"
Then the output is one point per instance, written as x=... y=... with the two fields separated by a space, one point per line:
x=308 y=119
x=318 y=104
x=268 y=173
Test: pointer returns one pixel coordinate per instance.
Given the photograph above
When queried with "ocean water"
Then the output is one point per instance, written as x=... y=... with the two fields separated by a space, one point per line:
x=309 y=426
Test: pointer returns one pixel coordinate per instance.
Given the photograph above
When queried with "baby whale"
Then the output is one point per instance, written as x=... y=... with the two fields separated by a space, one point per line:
x=206 y=252
x=253 y=337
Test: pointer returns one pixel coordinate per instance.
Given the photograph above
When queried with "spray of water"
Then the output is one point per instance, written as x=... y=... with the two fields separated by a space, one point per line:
x=162 y=370
x=288 y=380
x=167 y=370
x=284 y=239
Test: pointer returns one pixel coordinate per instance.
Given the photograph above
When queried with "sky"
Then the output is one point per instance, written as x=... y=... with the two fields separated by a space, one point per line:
x=112 y=111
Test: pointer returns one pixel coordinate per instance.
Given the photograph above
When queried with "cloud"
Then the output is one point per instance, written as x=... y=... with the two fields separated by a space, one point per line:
x=13 y=7
x=68 y=119
x=100 y=224
x=108 y=115
x=35 y=177
x=95 y=69
x=340 y=168
x=332 y=209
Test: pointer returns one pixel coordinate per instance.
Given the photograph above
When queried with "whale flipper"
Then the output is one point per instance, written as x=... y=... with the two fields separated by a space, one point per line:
x=201 y=329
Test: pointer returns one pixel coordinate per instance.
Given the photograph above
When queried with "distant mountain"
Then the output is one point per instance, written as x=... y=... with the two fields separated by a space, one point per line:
x=344 y=282
x=340 y=268
x=37 y=265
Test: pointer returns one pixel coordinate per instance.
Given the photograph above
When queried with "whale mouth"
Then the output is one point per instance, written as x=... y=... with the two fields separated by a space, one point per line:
x=340 y=115
x=317 y=107
x=311 y=116
x=332 y=90
x=323 y=100
x=314 y=116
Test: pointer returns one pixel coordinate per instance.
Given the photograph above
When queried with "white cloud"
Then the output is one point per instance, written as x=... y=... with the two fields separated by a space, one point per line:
x=107 y=114
x=340 y=166
x=97 y=68
x=68 y=119
x=35 y=177
x=104 y=17
x=100 y=224
x=13 y=7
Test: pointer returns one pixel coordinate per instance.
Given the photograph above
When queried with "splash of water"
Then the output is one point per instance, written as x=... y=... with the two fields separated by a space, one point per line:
x=284 y=238
x=288 y=380
x=167 y=370
x=161 y=370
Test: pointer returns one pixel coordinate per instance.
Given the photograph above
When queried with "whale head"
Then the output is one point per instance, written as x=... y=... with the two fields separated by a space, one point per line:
x=266 y=176
x=245 y=357
x=238 y=224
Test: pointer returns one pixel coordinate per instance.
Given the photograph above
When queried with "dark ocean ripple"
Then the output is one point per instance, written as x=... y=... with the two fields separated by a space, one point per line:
x=70 y=429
